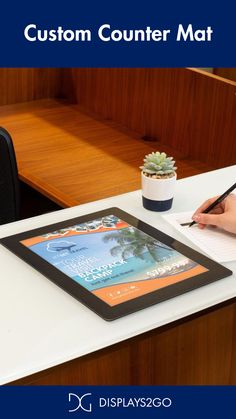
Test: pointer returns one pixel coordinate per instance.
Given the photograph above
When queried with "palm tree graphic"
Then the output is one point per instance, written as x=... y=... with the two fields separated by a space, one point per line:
x=131 y=241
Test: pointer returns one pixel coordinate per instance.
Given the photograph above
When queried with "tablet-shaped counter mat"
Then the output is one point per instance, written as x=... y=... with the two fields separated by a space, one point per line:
x=112 y=259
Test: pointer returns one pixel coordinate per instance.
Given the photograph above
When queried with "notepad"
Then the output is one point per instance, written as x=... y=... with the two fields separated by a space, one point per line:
x=216 y=243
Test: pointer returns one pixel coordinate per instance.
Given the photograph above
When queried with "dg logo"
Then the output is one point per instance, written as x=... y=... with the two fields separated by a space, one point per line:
x=80 y=402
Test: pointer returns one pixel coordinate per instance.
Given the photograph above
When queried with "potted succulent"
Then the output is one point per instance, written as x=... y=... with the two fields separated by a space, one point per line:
x=158 y=181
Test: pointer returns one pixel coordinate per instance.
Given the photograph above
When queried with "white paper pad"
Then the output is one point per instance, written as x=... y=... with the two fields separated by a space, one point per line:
x=218 y=244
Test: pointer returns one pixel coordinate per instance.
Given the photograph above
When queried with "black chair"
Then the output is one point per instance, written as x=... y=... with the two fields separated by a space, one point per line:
x=9 y=182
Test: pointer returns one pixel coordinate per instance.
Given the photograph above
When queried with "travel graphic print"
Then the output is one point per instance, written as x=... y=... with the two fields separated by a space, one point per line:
x=112 y=259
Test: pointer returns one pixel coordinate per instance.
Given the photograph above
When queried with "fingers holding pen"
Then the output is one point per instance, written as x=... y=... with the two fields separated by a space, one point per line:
x=208 y=219
x=223 y=215
x=206 y=204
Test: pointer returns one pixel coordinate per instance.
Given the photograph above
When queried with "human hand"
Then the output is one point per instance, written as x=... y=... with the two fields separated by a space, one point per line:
x=223 y=215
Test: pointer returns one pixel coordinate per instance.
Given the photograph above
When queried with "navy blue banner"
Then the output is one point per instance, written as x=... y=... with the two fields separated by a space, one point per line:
x=118 y=34
x=118 y=401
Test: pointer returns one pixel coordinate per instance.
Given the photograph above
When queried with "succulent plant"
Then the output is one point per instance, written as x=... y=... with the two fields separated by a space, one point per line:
x=158 y=164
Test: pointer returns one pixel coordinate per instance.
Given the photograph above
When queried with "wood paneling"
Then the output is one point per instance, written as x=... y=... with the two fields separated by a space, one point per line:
x=26 y=84
x=73 y=158
x=195 y=351
x=227 y=73
x=186 y=109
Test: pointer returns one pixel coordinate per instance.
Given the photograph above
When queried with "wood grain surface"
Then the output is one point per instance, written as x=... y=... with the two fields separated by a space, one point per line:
x=189 y=110
x=73 y=158
x=199 y=350
x=26 y=84
x=227 y=73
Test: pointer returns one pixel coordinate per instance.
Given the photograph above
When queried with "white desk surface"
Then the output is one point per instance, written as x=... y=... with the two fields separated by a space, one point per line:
x=42 y=326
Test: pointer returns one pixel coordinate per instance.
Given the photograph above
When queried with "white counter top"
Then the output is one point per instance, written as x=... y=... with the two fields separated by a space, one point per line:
x=42 y=326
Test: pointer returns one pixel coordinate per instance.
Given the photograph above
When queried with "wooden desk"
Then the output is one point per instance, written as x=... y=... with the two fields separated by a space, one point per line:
x=73 y=158
x=190 y=339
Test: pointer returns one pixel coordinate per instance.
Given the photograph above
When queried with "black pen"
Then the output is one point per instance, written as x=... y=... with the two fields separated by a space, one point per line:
x=216 y=202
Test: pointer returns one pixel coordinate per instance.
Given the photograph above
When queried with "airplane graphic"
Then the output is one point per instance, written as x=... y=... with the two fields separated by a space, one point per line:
x=60 y=246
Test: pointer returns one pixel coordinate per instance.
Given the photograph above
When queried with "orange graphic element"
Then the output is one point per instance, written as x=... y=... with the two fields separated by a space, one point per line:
x=40 y=239
x=117 y=294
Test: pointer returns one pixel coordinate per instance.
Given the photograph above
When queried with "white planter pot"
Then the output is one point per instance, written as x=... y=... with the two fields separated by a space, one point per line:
x=158 y=193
